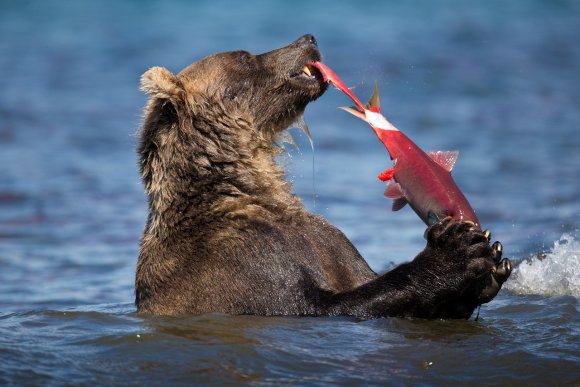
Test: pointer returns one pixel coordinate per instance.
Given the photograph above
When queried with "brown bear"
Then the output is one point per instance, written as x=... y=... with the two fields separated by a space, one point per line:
x=226 y=234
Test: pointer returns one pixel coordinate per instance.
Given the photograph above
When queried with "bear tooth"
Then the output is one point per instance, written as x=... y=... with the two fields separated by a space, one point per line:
x=307 y=71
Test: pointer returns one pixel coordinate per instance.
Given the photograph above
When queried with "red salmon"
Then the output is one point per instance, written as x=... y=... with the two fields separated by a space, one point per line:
x=423 y=180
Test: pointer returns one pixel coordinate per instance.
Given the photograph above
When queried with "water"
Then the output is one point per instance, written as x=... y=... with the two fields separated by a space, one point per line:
x=553 y=273
x=495 y=80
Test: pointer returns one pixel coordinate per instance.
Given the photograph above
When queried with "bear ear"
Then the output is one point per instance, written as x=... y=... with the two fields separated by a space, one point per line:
x=160 y=82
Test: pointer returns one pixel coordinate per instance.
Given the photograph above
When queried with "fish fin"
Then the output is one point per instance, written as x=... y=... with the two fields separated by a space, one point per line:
x=446 y=159
x=387 y=175
x=374 y=103
x=393 y=191
x=354 y=111
x=399 y=203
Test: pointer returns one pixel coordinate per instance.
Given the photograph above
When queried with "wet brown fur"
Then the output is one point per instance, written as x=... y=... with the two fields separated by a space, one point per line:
x=226 y=234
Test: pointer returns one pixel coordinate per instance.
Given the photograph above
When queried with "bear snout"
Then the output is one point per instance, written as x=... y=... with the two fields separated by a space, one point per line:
x=308 y=39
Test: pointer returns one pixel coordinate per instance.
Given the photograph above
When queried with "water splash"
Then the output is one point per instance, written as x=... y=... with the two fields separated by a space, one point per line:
x=300 y=123
x=285 y=137
x=556 y=272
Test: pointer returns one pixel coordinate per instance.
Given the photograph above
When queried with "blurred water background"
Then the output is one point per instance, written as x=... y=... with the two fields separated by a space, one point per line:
x=497 y=80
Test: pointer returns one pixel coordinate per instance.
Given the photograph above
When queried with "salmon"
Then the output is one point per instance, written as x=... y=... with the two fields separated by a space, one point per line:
x=421 y=179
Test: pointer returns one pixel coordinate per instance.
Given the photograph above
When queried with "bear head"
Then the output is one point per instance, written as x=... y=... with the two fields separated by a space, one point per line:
x=268 y=91
x=207 y=140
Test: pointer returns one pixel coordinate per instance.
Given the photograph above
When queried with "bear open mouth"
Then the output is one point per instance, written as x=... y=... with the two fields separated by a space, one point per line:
x=309 y=73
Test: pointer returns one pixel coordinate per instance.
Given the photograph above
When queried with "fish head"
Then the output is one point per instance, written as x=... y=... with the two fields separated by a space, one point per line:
x=330 y=76
x=370 y=113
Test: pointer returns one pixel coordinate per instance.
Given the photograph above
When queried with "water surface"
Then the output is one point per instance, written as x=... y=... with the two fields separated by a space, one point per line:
x=496 y=80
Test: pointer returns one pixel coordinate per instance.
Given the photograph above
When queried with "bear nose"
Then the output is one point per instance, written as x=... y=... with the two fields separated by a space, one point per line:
x=308 y=39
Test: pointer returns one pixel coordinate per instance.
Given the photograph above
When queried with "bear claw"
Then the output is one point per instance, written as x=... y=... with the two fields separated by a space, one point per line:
x=503 y=270
x=499 y=274
x=487 y=235
x=496 y=252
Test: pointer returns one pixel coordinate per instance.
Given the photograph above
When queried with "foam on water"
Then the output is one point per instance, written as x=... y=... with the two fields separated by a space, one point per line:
x=555 y=273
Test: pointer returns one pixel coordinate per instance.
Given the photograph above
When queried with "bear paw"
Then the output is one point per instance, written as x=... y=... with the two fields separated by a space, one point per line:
x=464 y=250
x=500 y=272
